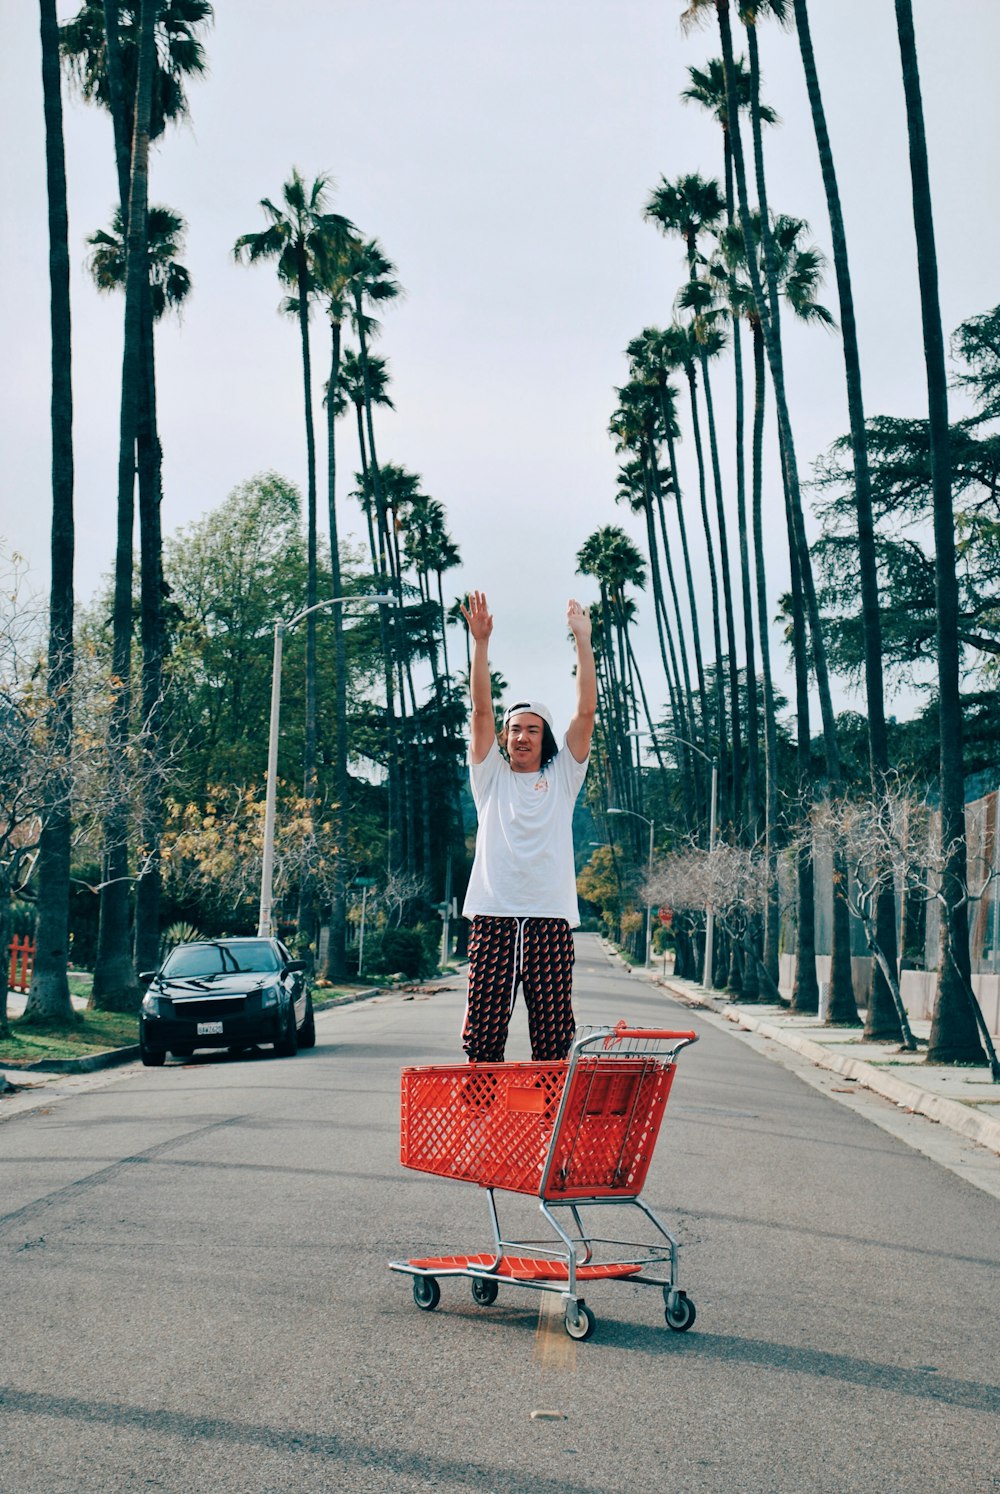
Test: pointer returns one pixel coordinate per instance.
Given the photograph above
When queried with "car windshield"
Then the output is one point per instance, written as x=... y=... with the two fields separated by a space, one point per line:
x=256 y=956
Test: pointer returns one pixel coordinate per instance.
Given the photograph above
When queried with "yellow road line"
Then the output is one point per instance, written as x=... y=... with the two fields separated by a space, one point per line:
x=554 y=1349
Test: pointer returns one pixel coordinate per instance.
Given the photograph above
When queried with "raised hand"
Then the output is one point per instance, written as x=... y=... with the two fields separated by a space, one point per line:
x=478 y=617
x=578 y=621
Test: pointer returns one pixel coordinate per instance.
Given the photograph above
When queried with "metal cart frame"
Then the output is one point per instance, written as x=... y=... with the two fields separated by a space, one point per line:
x=498 y=1125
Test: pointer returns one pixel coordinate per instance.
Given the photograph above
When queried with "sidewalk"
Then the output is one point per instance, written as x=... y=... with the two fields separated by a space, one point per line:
x=963 y=1099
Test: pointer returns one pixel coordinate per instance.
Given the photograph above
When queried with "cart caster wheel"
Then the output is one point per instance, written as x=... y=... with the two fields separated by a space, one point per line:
x=483 y=1291
x=584 y=1325
x=426 y=1292
x=681 y=1315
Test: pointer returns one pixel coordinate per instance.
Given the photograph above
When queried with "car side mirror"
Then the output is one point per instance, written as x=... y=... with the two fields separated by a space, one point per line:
x=294 y=966
x=147 y=975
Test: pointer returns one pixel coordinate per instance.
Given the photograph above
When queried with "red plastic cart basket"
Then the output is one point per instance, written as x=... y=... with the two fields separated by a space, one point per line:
x=577 y=1134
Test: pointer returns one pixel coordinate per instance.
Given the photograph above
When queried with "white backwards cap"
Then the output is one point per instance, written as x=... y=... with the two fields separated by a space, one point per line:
x=535 y=707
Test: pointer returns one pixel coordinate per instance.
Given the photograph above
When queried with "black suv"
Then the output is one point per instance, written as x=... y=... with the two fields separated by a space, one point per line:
x=225 y=993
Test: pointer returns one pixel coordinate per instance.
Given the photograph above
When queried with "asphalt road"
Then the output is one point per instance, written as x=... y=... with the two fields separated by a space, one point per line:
x=194 y=1293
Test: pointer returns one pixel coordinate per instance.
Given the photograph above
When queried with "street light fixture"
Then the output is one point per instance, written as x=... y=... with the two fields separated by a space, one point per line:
x=649 y=910
x=280 y=629
x=706 y=975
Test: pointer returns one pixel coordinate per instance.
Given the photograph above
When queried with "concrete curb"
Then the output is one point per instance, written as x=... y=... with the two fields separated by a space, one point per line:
x=325 y=1004
x=952 y=1113
x=964 y=1119
x=107 y=1059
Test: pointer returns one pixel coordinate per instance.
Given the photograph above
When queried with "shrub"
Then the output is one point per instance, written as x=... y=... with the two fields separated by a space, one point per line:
x=399 y=949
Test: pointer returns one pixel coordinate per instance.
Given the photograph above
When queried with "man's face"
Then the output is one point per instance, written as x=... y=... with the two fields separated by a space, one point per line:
x=524 y=742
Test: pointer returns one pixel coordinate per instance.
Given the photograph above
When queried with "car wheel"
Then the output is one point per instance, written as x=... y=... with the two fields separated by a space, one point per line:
x=307 y=1032
x=288 y=1044
x=150 y=1060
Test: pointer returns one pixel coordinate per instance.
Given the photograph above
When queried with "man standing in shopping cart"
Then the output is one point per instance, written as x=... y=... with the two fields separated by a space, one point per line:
x=522 y=890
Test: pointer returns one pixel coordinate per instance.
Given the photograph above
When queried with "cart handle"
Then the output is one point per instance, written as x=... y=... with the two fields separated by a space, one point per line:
x=623 y=1031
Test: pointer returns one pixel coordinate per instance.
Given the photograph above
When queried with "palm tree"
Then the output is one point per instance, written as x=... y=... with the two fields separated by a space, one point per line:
x=689 y=207
x=333 y=291
x=167 y=286
x=653 y=355
x=634 y=428
x=169 y=280
x=708 y=89
x=882 y=1021
x=107 y=49
x=797 y=276
x=352 y=388
x=115 y=984
x=372 y=282
x=49 y=996
x=610 y=556
x=954 y=1036
x=841 y=989
x=681 y=343
x=302 y=237
x=102 y=27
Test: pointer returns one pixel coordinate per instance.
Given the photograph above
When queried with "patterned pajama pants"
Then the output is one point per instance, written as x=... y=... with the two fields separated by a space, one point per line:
x=503 y=954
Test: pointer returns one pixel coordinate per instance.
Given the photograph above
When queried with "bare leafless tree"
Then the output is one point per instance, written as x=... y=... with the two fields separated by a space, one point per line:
x=893 y=840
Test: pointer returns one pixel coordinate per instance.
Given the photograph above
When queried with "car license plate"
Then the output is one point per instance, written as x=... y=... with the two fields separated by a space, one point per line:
x=209 y=1029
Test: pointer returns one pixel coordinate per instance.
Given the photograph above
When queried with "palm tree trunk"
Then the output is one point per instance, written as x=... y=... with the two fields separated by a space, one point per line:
x=689 y=579
x=805 y=992
x=336 y=966
x=49 y=996
x=882 y=1021
x=614 y=689
x=772 y=912
x=720 y=696
x=753 y=723
x=753 y=727
x=841 y=985
x=147 y=900
x=954 y=1034
x=736 y=777
x=307 y=910
x=682 y=695
x=366 y=485
x=664 y=633
x=396 y=807
x=115 y=985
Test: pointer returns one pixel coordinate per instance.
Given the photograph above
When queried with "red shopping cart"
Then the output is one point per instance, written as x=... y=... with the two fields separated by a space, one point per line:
x=578 y=1134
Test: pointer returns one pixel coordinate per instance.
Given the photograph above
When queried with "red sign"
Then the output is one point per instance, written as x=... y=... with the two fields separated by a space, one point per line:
x=666 y=917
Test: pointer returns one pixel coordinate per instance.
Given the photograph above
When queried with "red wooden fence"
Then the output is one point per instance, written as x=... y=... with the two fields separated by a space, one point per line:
x=22 y=962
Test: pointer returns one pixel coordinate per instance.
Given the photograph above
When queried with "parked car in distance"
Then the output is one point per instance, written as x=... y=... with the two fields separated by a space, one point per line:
x=225 y=993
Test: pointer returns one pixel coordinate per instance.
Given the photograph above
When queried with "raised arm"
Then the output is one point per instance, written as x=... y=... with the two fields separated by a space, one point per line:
x=482 y=723
x=581 y=728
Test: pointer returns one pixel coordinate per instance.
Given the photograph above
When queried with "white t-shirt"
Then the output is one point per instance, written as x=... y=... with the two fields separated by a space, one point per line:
x=523 y=866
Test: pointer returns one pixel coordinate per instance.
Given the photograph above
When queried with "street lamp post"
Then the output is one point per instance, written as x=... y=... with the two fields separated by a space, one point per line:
x=280 y=629
x=706 y=975
x=649 y=874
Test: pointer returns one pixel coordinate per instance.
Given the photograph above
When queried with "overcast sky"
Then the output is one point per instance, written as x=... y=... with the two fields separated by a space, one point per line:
x=502 y=153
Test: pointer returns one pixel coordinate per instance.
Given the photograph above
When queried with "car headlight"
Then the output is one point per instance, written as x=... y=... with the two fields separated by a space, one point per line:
x=151 y=1004
x=269 y=996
